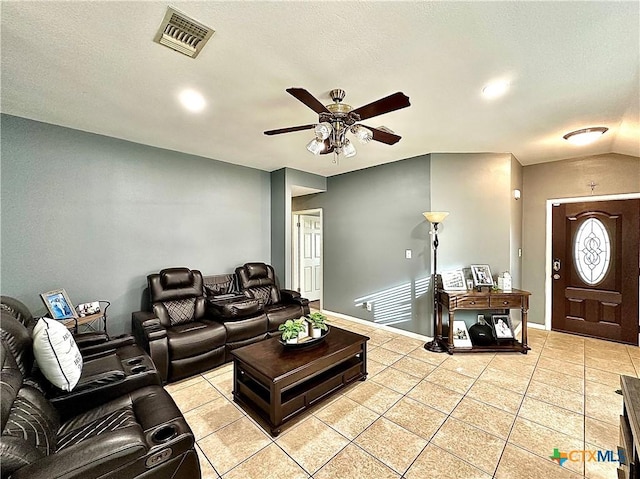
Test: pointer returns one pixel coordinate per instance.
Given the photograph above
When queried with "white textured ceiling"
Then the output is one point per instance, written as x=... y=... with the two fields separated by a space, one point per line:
x=93 y=66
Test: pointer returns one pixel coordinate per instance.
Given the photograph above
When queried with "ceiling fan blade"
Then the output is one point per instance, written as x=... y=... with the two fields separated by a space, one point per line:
x=384 y=105
x=384 y=136
x=289 y=130
x=308 y=99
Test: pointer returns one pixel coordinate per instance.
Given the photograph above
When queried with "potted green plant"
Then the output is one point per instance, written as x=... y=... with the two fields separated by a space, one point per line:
x=290 y=330
x=318 y=324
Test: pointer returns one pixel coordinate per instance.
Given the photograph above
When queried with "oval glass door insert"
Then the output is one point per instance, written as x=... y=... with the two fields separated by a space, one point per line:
x=592 y=251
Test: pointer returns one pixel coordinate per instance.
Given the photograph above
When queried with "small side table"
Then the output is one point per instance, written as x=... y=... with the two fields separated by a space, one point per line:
x=93 y=322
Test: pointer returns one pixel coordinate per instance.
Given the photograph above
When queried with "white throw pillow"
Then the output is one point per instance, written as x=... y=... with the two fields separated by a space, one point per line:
x=56 y=353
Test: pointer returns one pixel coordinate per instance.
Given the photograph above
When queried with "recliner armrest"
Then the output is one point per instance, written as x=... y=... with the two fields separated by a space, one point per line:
x=290 y=296
x=108 y=347
x=154 y=329
x=152 y=336
x=84 y=340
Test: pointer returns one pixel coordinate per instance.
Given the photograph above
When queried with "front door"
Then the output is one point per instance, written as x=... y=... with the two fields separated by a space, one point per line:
x=595 y=268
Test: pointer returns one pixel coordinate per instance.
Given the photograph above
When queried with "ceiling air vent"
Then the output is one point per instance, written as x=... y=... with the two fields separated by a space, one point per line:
x=182 y=34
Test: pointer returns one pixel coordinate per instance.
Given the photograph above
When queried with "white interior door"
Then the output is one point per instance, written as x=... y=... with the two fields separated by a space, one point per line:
x=310 y=256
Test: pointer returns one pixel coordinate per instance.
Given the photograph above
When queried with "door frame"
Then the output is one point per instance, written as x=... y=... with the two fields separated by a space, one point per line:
x=548 y=294
x=296 y=250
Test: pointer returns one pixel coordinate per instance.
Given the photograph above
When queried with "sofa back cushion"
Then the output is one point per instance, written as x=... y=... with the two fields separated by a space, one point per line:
x=218 y=284
x=175 y=283
x=29 y=421
x=18 y=339
x=18 y=310
x=181 y=311
x=259 y=280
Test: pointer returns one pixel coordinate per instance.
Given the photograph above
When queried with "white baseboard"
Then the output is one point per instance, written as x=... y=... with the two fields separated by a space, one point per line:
x=536 y=326
x=383 y=327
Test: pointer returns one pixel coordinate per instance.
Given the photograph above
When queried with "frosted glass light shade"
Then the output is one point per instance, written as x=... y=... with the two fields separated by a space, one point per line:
x=348 y=149
x=364 y=135
x=315 y=146
x=435 y=216
x=323 y=130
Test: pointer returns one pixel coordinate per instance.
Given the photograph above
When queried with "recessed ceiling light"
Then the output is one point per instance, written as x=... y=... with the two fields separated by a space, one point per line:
x=495 y=89
x=586 y=135
x=192 y=100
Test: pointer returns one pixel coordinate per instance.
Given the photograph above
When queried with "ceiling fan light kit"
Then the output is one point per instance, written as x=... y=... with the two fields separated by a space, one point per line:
x=585 y=135
x=337 y=119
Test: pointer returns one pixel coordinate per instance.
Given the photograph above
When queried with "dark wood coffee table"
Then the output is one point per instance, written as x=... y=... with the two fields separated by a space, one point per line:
x=278 y=383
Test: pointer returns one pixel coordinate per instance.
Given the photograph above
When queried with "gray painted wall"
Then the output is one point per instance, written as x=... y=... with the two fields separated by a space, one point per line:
x=281 y=183
x=370 y=217
x=95 y=215
x=614 y=174
x=476 y=189
x=280 y=197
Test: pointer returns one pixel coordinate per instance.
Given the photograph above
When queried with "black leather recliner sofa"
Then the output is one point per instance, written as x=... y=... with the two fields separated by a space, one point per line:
x=139 y=435
x=108 y=370
x=194 y=322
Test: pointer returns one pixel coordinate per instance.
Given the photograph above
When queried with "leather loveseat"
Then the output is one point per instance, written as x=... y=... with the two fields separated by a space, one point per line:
x=140 y=435
x=194 y=321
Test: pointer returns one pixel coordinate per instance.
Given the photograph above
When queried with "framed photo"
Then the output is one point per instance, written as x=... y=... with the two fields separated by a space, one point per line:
x=59 y=304
x=502 y=327
x=461 y=337
x=87 y=309
x=481 y=275
x=453 y=281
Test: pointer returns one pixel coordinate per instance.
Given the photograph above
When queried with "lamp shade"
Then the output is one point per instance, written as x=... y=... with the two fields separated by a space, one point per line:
x=435 y=216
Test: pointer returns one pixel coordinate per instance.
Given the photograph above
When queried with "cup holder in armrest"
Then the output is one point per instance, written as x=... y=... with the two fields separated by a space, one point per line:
x=134 y=361
x=138 y=369
x=164 y=433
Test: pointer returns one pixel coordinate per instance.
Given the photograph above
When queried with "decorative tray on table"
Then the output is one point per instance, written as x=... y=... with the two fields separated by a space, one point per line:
x=305 y=342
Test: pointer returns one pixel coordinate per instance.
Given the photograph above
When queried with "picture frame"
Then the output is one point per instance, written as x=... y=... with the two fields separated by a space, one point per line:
x=453 y=280
x=59 y=304
x=461 y=337
x=87 y=309
x=502 y=327
x=481 y=275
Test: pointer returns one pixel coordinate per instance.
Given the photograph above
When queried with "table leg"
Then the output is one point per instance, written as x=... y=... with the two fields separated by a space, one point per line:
x=451 y=347
x=525 y=311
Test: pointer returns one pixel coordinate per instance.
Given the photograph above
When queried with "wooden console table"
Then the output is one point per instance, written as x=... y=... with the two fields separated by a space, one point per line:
x=485 y=300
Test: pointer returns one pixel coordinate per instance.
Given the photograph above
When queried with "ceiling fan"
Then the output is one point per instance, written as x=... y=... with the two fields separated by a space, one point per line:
x=337 y=118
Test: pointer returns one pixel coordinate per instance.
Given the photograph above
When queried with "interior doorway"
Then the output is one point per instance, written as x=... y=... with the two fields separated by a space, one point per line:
x=594 y=265
x=307 y=253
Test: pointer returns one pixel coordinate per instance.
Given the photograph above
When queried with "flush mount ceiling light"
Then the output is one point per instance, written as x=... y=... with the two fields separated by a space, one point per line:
x=586 y=135
x=495 y=89
x=192 y=100
x=337 y=119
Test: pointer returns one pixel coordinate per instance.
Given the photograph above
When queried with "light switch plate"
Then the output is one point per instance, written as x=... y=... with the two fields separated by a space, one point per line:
x=407 y=254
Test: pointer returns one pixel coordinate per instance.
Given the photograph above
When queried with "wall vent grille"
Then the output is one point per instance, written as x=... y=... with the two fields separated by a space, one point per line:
x=182 y=34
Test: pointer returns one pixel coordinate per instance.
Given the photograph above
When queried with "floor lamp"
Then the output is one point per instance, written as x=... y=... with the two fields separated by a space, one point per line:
x=435 y=218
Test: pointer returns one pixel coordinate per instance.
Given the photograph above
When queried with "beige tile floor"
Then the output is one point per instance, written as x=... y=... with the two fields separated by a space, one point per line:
x=428 y=415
